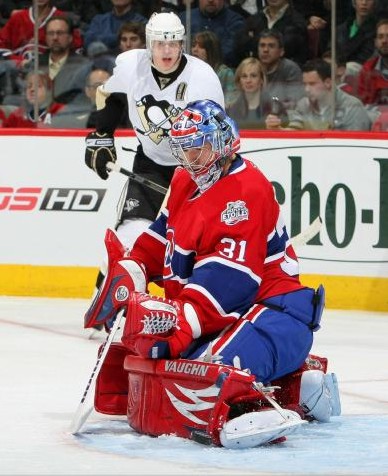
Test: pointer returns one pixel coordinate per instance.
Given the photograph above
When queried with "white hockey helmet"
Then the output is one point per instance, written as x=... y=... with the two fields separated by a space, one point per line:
x=164 y=27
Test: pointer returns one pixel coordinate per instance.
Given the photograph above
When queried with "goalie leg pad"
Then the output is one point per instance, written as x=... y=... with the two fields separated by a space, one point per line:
x=319 y=395
x=124 y=276
x=111 y=392
x=196 y=400
x=310 y=390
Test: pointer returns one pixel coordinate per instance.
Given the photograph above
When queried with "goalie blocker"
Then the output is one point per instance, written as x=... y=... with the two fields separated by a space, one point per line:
x=212 y=403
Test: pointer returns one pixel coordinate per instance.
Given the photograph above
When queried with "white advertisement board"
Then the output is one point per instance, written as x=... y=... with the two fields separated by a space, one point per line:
x=54 y=210
x=343 y=181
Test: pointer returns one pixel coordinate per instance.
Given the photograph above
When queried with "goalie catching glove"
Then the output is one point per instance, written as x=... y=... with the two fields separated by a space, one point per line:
x=123 y=277
x=100 y=149
x=157 y=327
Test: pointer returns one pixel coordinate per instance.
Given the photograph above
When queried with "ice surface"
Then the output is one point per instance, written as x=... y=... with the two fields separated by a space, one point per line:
x=46 y=362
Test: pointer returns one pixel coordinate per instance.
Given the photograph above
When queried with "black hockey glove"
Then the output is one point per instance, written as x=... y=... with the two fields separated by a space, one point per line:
x=100 y=149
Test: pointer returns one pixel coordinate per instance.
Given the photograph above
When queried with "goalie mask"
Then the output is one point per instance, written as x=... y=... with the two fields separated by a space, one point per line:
x=201 y=139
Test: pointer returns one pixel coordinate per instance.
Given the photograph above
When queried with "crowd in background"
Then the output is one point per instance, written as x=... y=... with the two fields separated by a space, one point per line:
x=274 y=59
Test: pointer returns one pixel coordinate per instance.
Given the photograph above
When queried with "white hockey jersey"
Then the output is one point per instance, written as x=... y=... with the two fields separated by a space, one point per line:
x=152 y=110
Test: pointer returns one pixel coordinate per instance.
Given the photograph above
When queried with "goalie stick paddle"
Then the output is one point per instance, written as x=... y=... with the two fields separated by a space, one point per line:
x=137 y=178
x=306 y=235
x=85 y=406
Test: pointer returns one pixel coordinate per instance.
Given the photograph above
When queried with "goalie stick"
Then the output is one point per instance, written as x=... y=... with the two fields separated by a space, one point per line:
x=308 y=233
x=85 y=407
x=137 y=178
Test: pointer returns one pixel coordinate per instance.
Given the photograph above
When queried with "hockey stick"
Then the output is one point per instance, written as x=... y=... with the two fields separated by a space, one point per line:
x=137 y=178
x=85 y=407
x=306 y=235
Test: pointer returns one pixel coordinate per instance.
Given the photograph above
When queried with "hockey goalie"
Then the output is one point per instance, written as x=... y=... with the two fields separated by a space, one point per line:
x=224 y=357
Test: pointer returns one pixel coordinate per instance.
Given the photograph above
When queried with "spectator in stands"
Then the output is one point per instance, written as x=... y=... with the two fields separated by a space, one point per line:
x=100 y=57
x=11 y=84
x=284 y=76
x=206 y=46
x=253 y=103
x=65 y=68
x=215 y=15
x=315 y=110
x=373 y=77
x=175 y=6
x=38 y=88
x=346 y=77
x=84 y=10
x=279 y=15
x=381 y=9
x=355 y=36
x=322 y=9
x=17 y=36
x=18 y=33
x=131 y=36
x=94 y=79
x=343 y=9
x=246 y=8
x=81 y=112
x=103 y=28
x=318 y=21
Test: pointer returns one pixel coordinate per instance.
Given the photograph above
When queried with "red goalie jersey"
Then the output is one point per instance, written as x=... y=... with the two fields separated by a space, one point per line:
x=222 y=250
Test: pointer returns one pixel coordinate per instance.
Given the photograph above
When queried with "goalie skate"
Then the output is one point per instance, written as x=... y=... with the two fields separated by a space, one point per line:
x=258 y=428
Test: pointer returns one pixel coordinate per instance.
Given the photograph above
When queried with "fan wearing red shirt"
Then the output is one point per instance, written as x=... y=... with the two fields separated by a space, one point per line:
x=17 y=35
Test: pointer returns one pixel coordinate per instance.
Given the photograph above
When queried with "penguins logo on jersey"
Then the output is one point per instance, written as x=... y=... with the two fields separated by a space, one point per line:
x=156 y=117
x=130 y=204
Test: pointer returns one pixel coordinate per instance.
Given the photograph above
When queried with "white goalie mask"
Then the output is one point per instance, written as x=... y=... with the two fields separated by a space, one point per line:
x=164 y=27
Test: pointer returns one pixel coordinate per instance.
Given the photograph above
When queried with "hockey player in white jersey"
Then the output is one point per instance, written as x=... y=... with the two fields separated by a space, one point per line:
x=155 y=84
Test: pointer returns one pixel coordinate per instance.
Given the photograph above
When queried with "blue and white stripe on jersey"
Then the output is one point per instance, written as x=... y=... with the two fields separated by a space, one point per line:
x=228 y=285
x=157 y=229
x=277 y=241
x=182 y=263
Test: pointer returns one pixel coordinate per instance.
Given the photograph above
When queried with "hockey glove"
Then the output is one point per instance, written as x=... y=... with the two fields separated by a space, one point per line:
x=100 y=149
x=156 y=327
x=123 y=277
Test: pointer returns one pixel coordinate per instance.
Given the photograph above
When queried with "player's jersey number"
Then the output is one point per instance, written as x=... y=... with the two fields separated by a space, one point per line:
x=233 y=250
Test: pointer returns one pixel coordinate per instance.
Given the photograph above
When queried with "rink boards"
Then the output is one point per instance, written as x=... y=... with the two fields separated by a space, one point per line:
x=54 y=210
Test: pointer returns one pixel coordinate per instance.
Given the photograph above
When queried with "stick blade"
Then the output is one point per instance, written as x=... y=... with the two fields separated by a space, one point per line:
x=86 y=405
x=79 y=419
